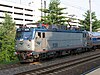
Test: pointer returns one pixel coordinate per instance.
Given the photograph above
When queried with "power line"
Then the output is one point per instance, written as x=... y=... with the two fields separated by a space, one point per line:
x=77 y=7
x=80 y=8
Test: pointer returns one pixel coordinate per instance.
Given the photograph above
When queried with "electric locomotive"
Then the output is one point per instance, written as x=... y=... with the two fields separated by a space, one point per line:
x=36 y=41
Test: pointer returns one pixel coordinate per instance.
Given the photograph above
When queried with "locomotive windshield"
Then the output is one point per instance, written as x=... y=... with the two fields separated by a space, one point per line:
x=24 y=34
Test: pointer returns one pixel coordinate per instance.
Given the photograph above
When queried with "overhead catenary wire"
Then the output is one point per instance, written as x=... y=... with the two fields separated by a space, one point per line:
x=75 y=6
x=79 y=7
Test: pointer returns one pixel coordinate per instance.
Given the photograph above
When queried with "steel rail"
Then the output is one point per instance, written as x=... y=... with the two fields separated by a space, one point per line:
x=62 y=65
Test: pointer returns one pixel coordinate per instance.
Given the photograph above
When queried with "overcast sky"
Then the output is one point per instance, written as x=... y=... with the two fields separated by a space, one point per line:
x=77 y=7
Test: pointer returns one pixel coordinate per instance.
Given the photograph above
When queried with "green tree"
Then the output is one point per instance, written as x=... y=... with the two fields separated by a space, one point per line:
x=86 y=21
x=54 y=14
x=7 y=36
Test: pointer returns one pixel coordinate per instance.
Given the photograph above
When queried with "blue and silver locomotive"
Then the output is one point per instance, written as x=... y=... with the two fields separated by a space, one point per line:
x=38 y=41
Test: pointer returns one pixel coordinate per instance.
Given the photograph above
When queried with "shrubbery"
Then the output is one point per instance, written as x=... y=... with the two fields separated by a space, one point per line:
x=7 y=37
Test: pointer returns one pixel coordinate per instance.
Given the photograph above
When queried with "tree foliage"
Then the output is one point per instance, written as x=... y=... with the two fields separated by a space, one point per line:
x=54 y=14
x=7 y=36
x=86 y=21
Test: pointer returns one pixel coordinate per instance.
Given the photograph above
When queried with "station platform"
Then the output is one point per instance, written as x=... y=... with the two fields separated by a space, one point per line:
x=94 y=72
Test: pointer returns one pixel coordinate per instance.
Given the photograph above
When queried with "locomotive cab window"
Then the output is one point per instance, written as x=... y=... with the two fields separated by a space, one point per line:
x=98 y=38
x=43 y=35
x=39 y=34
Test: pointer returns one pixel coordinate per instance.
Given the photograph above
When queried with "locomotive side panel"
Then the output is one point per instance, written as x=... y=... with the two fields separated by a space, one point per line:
x=63 y=40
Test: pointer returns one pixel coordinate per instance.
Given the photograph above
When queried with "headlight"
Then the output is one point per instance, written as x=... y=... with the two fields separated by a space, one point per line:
x=16 y=46
x=16 y=53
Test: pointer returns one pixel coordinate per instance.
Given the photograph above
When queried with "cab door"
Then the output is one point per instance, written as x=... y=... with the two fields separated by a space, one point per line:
x=38 y=41
x=43 y=41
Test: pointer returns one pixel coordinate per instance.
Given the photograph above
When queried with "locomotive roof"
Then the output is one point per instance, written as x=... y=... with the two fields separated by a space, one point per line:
x=49 y=28
x=73 y=31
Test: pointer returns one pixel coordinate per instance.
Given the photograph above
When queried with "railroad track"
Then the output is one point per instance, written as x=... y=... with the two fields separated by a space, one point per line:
x=24 y=69
x=54 y=69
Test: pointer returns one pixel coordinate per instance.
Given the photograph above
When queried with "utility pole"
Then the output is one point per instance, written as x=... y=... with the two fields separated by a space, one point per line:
x=20 y=1
x=41 y=9
x=90 y=16
x=44 y=7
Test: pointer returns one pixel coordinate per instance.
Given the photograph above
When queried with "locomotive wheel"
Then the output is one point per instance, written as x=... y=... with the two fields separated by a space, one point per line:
x=36 y=56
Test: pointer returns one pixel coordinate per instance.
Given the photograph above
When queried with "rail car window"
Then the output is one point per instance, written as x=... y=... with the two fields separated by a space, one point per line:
x=93 y=39
x=39 y=34
x=43 y=35
x=98 y=38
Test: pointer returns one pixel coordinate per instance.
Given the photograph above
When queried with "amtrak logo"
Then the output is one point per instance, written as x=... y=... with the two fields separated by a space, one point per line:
x=21 y=43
